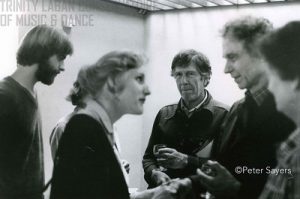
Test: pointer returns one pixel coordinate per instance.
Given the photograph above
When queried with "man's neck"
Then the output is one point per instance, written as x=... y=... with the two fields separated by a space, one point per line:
x=192 y=105
x=261 y=83
x=25 y=76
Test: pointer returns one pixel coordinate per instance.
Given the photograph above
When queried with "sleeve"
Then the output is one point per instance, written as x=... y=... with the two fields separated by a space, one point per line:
x=149 y=161
x=196 y=185
x=293 y=190
x=195 y=162
x=81 y=168
x=55 y=137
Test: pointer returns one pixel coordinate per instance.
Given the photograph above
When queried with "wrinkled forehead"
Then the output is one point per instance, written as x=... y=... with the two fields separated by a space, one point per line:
x=185 y=68
x=232 y=46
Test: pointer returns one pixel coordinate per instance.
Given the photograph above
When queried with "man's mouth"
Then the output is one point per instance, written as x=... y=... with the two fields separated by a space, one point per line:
x=186 y=90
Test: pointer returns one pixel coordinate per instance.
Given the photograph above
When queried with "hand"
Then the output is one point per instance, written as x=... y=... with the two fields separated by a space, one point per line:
x=171 y=158
x=183 y=186
x=126 y=165
x=159 y=177
x=161 y=192
x=165 y=192
x=222 y=183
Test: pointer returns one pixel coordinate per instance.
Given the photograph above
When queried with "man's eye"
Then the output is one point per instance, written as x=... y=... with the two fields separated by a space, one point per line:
x=61 y=57
x=178 y=75
x=190 y=74
x=232 y=58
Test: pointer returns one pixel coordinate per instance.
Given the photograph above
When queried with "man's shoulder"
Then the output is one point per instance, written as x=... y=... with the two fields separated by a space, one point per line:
x=7 y=88
x=219 y=105
x=237 y=103
x=7 y=93
x=168 y=110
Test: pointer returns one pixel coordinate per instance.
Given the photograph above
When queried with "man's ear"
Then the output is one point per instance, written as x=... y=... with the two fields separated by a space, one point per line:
x=296 y=84
x=206 y=82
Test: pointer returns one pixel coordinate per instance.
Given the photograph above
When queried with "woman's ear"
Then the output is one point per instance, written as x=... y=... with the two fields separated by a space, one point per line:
x=111 y=85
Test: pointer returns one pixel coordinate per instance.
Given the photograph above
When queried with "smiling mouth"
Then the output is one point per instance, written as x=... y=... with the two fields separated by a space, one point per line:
x=237 y=79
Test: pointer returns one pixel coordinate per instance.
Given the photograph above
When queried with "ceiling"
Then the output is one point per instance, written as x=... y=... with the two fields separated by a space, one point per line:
x=158 y=5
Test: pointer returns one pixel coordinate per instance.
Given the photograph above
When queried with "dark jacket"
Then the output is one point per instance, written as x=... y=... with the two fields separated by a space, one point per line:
x=187 y=135
x=251 y=141
x=86 y=167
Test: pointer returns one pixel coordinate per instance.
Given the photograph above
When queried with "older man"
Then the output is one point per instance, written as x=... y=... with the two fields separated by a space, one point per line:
x=40 y=58
x=253 y=128
x=281 y=50
x=187 y=128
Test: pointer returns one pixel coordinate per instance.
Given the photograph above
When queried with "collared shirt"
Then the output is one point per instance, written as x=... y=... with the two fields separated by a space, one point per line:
x=287 y=183
x=189 y=112
x=259 y=96
x=96 y=111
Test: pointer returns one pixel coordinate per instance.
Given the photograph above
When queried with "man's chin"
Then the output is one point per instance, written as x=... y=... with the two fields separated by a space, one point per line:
x=47 y=81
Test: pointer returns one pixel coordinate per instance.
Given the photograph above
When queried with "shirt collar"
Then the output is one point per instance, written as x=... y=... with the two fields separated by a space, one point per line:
x=96 y=111
x=190 y=111
x=288 y=146
x=259 y=96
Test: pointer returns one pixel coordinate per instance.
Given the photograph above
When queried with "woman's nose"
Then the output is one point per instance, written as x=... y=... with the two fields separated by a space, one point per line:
x=147 y=90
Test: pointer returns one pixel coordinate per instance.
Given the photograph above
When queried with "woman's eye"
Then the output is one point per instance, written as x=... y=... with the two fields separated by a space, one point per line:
x=140 y=79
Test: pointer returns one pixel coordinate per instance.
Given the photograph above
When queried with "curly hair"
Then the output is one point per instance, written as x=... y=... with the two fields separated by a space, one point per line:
x=249 y=30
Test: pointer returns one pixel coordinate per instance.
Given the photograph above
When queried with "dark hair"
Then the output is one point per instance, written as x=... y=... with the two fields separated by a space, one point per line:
x=91 y=78
x=281 y=49
x=248 y=30
x=42 y=42
x=186 y=57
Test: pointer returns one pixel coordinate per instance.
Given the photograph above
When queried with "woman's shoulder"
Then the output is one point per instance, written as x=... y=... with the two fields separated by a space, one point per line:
x=83 y=124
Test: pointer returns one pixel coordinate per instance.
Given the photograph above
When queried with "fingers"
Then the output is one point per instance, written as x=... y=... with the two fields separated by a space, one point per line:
x=165 y=180
x=166 y=150
x=204 y=177
x=215 y=165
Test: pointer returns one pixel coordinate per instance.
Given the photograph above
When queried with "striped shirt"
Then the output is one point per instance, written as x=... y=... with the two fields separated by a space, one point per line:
x=284 y=181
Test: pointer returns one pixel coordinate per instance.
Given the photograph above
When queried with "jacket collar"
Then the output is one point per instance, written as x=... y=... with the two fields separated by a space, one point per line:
x=96 y=111
x=207 y=105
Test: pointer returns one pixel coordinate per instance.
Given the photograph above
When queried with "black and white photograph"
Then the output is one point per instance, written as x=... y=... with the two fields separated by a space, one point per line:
x=150 y=99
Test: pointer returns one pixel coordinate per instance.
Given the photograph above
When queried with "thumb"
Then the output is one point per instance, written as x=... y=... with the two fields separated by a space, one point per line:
x=203 y=177
x=215 y=165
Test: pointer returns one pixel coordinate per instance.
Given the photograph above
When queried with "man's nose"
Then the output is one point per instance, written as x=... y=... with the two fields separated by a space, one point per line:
x=62 y=66
x=184 y=79
x=228 y=68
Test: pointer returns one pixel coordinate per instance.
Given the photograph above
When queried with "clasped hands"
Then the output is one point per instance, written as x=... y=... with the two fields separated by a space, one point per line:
x=173 y=189
x=221 y=182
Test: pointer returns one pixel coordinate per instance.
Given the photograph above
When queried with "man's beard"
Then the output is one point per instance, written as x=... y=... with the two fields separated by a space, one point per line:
x=46 y=73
